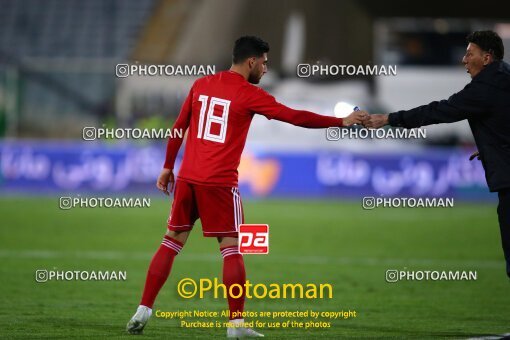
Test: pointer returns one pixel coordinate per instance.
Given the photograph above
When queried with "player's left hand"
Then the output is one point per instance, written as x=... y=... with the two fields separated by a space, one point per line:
x=166 y=177
x=356 y=117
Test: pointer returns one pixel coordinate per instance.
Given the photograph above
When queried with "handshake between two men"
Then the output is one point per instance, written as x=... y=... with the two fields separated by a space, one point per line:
x=374 y=121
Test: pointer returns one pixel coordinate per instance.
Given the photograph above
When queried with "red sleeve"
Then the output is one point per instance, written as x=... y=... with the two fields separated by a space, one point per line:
x=265 y=104
x=182 y=122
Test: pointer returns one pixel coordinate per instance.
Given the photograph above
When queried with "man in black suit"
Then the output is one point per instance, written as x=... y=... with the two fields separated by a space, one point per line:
x=485 y=103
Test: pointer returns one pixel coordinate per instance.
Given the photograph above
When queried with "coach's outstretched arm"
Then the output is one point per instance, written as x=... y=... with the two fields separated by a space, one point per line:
x=470 y=102
x=265 y=104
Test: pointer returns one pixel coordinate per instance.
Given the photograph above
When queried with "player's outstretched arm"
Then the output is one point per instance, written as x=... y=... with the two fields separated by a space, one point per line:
x=263 y=103
x=312 y=120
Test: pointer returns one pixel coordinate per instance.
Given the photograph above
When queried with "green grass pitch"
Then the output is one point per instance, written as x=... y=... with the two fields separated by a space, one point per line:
x=333 y=242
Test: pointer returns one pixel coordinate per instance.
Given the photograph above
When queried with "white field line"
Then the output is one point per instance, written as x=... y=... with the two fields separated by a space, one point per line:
x=492 y=337
x=284 y=259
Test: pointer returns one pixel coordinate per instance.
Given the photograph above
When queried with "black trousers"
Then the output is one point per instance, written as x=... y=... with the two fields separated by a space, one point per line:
x=504 y=224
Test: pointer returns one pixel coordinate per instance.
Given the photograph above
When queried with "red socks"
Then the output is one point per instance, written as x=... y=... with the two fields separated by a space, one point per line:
x=161 y=264
x=159 y=269
x=233 y=272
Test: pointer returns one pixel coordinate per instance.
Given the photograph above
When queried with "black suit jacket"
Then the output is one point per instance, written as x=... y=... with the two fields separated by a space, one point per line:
x=485 y=103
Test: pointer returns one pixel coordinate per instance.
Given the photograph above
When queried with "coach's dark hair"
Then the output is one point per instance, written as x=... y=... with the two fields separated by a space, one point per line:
x=247 y=47
x=488 y=41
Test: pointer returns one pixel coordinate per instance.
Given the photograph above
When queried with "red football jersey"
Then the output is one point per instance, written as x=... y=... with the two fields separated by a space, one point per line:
x=218 y=113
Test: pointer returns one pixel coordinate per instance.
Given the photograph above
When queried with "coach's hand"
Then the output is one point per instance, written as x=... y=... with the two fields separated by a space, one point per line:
x=473 y=155
x=166 y=177
x=356 y=117
x=376 y=121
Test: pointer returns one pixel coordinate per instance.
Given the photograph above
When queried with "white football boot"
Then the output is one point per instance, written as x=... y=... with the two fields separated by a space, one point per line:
x=242 y=332
x=139 y=320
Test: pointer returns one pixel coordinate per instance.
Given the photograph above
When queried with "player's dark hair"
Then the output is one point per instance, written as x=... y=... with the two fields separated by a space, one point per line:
x=247 y=47
x=488 y=41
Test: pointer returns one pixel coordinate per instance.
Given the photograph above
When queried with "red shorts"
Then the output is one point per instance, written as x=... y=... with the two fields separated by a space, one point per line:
x=219 y=208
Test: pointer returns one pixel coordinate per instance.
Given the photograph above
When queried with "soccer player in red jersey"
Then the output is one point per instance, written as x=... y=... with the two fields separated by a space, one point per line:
x=217 y=114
